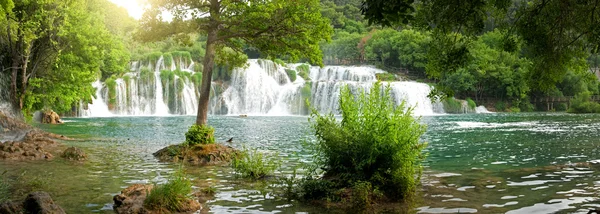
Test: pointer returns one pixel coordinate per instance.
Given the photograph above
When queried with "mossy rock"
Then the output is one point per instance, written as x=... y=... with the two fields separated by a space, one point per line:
x=74 y=153
x=200 y=154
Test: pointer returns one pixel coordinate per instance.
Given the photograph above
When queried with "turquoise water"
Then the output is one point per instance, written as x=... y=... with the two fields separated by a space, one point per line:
x=486 y=163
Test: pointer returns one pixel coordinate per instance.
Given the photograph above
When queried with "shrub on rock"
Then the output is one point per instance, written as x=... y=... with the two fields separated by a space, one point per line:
x=200 y=134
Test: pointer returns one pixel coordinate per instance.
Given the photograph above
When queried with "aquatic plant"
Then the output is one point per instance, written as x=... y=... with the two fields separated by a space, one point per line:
x=452 y=105
x=303 y=71
x=385 y=77
x=291 y=74
x=200 y=134
x=374 y=142
x=111 y=85
x=253 y=164
x=197 y=79
x=4 y=188
x=279 y=62
x=472 y=105
x=172 y=195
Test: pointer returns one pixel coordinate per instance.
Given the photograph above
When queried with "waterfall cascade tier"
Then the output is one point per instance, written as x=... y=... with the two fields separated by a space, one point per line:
x=261 y=88
x=6 y=106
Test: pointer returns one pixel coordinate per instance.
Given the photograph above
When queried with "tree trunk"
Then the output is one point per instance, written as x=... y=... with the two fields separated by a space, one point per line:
x=209 y=63
x=23 y=80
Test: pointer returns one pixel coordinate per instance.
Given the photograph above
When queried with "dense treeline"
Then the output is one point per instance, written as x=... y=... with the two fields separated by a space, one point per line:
x=493 y=65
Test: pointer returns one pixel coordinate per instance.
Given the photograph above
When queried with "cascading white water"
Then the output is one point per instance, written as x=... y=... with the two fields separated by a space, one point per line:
x=98 y=107
x=261 y=88
x=415 y=95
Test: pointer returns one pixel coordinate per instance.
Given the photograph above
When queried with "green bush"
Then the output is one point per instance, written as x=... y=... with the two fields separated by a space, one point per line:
x=582 y=103
x=361 y=195
x=253 y=164
x=453 y=106
x=291 y=74
x=500 y=106
x=471 y=103
x=153 y=57
x=385 y=77
x=168 y=59
x=315 y=189
x=200 y=134
x=375 y=142
x=171 y=196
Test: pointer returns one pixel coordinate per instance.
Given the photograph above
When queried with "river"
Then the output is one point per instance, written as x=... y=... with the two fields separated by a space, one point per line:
x=486 y=163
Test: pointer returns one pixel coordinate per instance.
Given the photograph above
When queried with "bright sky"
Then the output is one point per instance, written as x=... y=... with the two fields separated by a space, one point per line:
x=134 y=8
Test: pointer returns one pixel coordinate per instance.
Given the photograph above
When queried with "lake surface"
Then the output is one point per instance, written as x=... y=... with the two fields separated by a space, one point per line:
x=486 y=163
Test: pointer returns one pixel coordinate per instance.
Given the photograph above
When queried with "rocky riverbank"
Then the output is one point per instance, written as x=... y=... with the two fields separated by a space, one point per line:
x=19 y=141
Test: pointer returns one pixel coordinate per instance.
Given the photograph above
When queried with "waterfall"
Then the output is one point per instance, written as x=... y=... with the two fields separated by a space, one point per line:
x=98 y=107
x=262 y=87
x=6 y=106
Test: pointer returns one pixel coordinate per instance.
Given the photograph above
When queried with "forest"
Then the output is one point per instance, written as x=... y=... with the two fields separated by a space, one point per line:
x=46 y=44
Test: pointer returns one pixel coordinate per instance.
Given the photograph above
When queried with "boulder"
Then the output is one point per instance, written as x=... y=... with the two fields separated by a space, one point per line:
x=201 y=154
x=10 y=207
x=74 y=153
x=51 y=117
x=41 y=202
x=131 y=201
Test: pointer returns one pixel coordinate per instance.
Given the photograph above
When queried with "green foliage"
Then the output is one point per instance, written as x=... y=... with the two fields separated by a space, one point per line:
x=306 y=90
x=291 y=74
x=200 y=134
x=171 y=196
x=500 y=106
x=316 y=189
x=279 y=62
x=111 y=85
x=385 y=77
x=471 y=103
x=153 y=57
x=168 y=59
x=197 y=79
x=582 y=103
x=255 y=165
x=375 y=142
x=453 y=106
x=361 y=192
x=303 y=71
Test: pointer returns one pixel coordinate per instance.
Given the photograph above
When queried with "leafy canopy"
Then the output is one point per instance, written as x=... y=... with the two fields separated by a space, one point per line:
x=278 y=28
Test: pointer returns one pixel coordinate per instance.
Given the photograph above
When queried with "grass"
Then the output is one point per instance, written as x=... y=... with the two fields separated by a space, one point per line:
x=253 y=164
x=172 y=195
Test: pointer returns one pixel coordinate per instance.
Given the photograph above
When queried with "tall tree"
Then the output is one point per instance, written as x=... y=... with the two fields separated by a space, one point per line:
x=277 y=28
x=54 y=49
